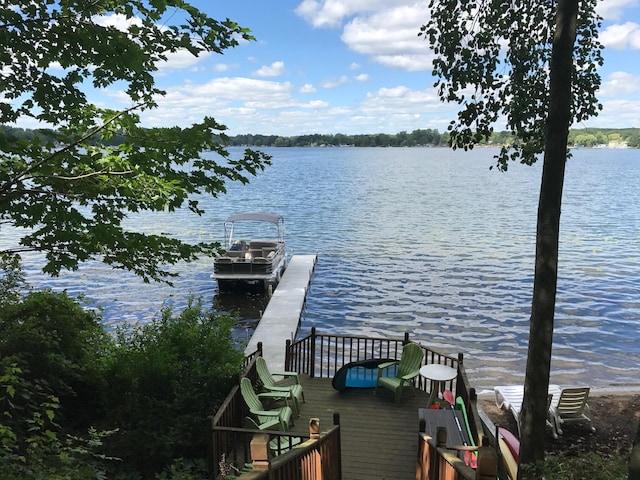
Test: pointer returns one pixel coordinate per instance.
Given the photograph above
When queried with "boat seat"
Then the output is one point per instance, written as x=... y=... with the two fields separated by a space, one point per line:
x=224 y=260
x=234 y=253
x=260 y=244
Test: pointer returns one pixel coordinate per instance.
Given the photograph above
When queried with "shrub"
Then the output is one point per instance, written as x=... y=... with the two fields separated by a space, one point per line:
x=164 y=379
x=60 y=348
x=32 y=444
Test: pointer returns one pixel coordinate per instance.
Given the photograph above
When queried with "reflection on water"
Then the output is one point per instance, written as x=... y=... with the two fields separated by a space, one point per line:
x=430 y=242
x=247 y=306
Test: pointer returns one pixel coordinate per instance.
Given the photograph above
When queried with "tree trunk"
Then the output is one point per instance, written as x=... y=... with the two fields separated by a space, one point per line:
x=534 y=407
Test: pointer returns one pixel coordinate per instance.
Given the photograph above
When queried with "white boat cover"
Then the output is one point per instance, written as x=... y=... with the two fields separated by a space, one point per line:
x=256 y=216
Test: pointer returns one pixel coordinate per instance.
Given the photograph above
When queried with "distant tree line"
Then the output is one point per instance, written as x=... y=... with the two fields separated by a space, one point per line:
x=585 y=137
x=417 y=138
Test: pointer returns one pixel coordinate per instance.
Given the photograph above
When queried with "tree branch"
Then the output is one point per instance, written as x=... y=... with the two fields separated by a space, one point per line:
x=38 y=164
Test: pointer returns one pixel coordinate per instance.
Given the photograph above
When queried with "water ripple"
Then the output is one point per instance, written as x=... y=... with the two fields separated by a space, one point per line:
x=430 y=242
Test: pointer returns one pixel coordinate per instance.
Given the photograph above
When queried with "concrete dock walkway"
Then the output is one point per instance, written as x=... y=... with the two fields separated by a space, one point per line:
x=281 y=318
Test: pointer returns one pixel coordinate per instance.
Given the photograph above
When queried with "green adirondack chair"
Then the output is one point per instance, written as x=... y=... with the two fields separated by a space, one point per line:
x=279 y=416
x=292 y=392
x=408 y=369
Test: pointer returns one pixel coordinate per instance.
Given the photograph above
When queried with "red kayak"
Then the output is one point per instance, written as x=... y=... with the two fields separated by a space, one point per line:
x=512 y=442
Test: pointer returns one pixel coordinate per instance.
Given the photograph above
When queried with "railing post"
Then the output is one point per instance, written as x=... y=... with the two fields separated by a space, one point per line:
x=441 y=437
x=260 y=349
x=406 y=338
x=287 y=356
x=312 y=353
x=260 y=451
x=314 y=428
x=487 y=468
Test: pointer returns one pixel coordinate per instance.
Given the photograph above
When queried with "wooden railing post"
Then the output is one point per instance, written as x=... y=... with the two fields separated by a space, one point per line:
x=312 y=353
x=260 y=451
x=487 y=468
x=287 y=356
x=314 y=428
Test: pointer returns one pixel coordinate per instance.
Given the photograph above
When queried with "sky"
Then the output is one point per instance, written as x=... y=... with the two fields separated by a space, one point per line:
x=350 y=66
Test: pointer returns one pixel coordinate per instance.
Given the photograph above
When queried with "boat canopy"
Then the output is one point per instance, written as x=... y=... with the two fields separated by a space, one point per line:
x=256 y=216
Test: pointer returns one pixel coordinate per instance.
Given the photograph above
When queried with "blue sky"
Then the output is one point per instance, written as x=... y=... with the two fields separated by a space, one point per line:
x=350 y=66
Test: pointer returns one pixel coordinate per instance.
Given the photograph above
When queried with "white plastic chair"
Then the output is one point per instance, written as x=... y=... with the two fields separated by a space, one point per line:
x=572 y=406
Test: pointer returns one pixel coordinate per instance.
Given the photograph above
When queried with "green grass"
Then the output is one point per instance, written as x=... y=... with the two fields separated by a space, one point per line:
x=586 y=467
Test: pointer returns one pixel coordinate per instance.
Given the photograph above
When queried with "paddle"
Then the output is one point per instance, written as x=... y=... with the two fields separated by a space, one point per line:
x=470 y=458
x=448 y=396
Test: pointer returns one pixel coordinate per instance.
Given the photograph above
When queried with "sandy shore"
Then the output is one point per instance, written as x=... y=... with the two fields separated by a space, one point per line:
x=615 y=416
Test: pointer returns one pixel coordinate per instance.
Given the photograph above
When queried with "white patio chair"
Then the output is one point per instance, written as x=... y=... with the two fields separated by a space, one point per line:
x=572 y=406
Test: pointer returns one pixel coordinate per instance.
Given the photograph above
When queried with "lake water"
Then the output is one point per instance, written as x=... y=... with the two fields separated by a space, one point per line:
x=430 y=242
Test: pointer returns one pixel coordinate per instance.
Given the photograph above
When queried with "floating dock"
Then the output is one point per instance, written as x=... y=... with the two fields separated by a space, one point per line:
x=281 y=318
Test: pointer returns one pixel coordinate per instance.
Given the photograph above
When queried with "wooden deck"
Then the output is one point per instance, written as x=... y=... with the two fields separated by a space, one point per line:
x=379 y=439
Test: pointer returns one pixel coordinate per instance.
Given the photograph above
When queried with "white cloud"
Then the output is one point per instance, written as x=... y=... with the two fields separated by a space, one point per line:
x=273 y=70
x=117 y=20
x=334 y=83
x=307 y=88
x=180 y=60
x=354 y=66
x=331 y=13
x=618 y=84
x=239 y=88
x=621 y=36
x=616 y=114
x=411 y=63
x=391 y=37
x=363 y=77
x=614 y=9
x=401 y=100
x=223 y=67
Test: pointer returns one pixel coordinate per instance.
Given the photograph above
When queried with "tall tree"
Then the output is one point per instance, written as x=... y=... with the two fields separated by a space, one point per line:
x=71 y=186
x=532 y=65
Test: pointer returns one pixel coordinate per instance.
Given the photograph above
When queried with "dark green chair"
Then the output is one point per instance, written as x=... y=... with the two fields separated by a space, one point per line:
x=294 y=392
x=408 y=369
x=278 y=417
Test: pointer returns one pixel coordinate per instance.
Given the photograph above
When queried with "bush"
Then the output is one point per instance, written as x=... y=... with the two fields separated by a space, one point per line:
x=60 y=348
x=32 y=445
x=164 y=379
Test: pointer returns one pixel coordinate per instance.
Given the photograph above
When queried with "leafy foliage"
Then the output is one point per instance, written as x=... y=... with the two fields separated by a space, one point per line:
x=75 y=397
x=71 y=187
x=492 y=58
x=164 y=379
x=32 y=443
x=58 y=346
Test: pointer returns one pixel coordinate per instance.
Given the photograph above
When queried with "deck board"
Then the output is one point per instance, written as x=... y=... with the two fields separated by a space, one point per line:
x=379 y=439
